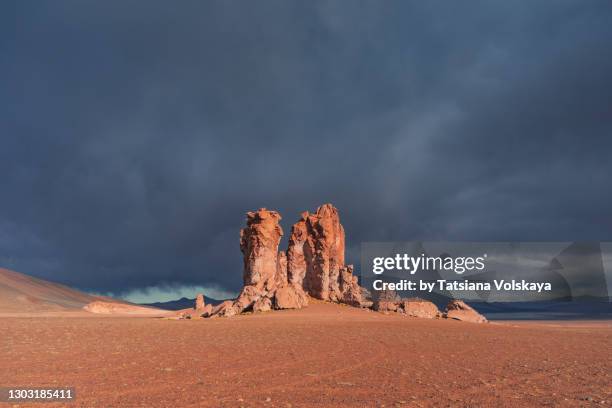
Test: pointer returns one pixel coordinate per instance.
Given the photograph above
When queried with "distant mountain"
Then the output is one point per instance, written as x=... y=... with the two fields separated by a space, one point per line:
x=546 y=310
x=179 y=304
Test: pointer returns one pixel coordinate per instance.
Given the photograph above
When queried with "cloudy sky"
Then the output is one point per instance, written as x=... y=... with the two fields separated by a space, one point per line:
x=136 y=134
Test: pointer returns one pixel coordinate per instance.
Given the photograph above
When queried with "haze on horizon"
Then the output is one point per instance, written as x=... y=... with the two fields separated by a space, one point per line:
x=136 y=135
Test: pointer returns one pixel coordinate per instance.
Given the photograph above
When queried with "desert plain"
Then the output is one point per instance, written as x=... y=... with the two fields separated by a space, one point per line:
x=325 y=355
x=301 y=333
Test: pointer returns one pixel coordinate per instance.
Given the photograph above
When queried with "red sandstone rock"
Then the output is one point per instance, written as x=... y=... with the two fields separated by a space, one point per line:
x=315 y=258
x=281 y=269
x=263 y=304
x=296 y=253
x=350 y=289
x=247 y=298
x=224 y=309
x=264 y=268
x=206 y=310
x=389 y=301
x=290 y=297
x=386 y=306
x=312 y=265
x=459 y=310
x=420 y=308
x=259 y=244
x=386 y=301
x=195 y=313
x=199 y=302
x=324 y=253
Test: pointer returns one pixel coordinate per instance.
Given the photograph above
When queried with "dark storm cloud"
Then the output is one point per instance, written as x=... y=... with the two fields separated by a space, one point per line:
x=136 y=134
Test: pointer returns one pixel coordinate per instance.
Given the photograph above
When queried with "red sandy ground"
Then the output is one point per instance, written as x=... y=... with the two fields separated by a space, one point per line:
x=325 y=355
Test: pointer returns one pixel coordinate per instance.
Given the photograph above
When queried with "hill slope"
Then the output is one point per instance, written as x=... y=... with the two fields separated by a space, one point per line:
x=23 y=293
x=20 y=293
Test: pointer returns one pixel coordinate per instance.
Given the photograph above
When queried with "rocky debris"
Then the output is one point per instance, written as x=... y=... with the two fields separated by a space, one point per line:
x=459 y=310
x=247 y=298
x=224 y=309
x=386 y=306
x=263 y=304
x=420 y=308
x=199 y=302
x=206 y=310
x=386 y=301
x=389 y=301
x=290 y=297
x=198 y=311
x=352 y=293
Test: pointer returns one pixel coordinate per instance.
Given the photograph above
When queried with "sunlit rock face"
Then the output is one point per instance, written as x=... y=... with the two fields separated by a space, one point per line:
x=312 y=265
x=266 y=284
x=315 y=258
x=259 y=245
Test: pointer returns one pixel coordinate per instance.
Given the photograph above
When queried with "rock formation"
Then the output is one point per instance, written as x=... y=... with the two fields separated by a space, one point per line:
x=199 y=302
x=200 y=308
x=313 y=264
x=315 y=258
x=259 y=245
x=324 y=253
x=296 y=253
x=459 y=310
x=266 y=284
